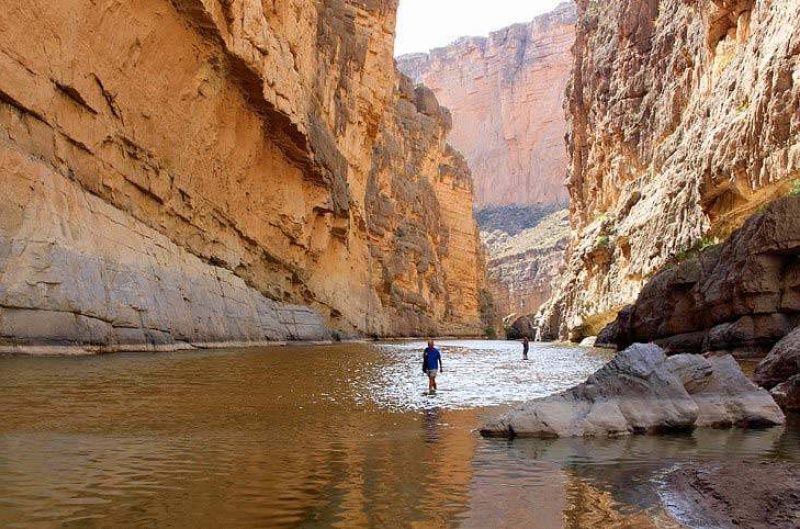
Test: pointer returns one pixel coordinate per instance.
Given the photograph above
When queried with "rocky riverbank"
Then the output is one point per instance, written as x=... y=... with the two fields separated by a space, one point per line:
x=752 y=495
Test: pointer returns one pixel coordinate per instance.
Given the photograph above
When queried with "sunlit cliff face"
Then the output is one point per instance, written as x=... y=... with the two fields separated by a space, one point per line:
x=232 y=150
x=682 y=123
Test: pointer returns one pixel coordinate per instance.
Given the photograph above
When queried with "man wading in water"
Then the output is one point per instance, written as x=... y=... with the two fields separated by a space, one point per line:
x=431 y=365
x=525 y=347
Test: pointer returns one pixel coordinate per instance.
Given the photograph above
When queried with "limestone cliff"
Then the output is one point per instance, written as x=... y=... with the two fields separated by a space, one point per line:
x=506 y=93
x=738 y=297
x=192 y=171
x=522 y=265
x=683 y=120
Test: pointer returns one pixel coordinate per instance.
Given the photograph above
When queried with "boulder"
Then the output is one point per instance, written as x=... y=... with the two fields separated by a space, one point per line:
x=787 y=394
x=641 y=391
x=724 y=396
x=782 y=362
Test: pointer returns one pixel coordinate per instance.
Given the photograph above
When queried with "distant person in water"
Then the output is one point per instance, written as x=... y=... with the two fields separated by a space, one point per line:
x=431 y=365
x=525 y=347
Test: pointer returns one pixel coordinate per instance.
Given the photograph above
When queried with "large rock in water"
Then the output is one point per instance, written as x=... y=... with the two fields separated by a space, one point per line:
x=642 y=391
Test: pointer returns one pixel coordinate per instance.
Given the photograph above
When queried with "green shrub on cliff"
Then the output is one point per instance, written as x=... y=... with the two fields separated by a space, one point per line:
x=602 y=241
x=795 y=190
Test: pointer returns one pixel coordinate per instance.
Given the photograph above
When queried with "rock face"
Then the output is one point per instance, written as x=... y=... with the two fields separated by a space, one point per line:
x=643 y=391
x=683 y=120
x=730 y=495
x=193 y=171
x=521 y=267
x=506 y=93
x=780 y=371
x=739 y=297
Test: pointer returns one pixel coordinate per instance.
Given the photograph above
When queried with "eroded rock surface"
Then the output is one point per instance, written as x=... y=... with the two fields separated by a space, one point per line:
x=739 y=297
x=521 y=267
x=643 y=391
x=728 y=495
x=506 y=93
x=683 y=121
x=233 y=140
x=780 y=371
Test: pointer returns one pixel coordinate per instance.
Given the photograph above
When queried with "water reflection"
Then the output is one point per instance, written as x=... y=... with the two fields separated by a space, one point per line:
x=315 y=437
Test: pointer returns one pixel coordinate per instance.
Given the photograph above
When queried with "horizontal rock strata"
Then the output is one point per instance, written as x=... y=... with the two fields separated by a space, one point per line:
x=643 y=391
x=683 y=122
x=234 y=141
x=521 y=267
x=739 y=297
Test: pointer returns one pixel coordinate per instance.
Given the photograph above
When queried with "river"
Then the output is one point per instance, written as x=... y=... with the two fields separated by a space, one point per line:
x=324 y=436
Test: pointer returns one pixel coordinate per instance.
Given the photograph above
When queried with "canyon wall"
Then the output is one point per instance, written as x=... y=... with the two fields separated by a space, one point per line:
x=684 y=119
x=200 y=171
x=738 y=297
x=521 y=266
x=506 y=94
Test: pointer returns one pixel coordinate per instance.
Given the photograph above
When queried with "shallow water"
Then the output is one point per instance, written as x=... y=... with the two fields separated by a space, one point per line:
x=326 y=436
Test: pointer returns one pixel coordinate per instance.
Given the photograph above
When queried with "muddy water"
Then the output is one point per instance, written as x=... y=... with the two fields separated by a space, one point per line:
x=327 y=436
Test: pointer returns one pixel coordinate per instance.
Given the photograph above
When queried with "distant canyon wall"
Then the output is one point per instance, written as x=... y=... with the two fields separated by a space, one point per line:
x=200 y=171
x=522 y=266
x=684 y=119
x=506 y=94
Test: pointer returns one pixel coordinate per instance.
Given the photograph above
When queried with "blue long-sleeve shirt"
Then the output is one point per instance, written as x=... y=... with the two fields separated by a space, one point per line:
x=432 y=358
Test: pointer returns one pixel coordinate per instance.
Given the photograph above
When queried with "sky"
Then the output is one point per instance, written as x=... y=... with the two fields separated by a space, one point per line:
x=426 y=24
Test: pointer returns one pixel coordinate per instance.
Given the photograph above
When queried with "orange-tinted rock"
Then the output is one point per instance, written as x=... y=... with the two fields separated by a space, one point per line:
x=506 y=94
x=222 y=139
x=683 y=121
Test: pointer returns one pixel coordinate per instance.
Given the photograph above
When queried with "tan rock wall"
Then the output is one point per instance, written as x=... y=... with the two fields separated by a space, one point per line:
x=506 y=94
x=684 y=119
x=241 y=131
x=522 y=267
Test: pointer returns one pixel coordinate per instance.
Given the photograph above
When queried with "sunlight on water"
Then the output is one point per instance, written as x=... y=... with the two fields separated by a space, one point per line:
x=480 y=373
x=317 y=437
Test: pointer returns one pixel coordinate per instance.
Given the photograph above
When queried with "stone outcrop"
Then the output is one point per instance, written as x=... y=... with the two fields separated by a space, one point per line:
x=682 y=122
x=521 y=267
x=738 y=297
x=761 y=494
x=233 y=147
x=643 y=391
x=506 y=93
x=425 y=255
x=780 y=371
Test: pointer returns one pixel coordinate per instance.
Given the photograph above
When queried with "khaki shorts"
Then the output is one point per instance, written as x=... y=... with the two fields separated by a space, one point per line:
x=432 y=373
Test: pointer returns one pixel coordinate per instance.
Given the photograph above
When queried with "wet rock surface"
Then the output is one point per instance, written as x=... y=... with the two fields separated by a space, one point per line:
x=755 y=495
x=739 y=297
x=642 y=391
